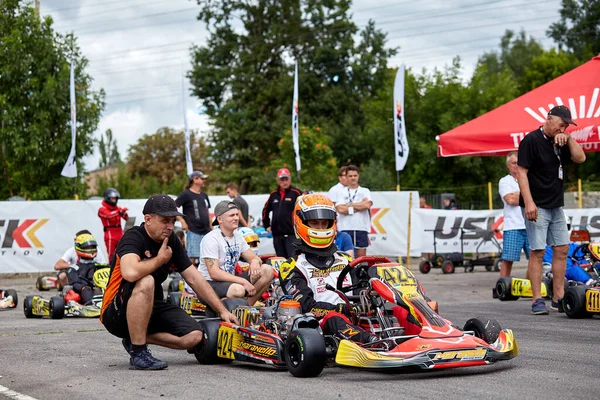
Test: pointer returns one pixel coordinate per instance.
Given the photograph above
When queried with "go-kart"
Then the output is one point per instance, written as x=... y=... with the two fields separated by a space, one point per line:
x=509 y=288
x=295 y=341
x=8 y=298
x=43 y=283
x=58 y=307
x=582 y=301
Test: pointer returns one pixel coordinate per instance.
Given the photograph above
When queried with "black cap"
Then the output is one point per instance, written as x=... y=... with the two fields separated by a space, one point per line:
x=222 y=208
x=564 y=113
x=161 y=204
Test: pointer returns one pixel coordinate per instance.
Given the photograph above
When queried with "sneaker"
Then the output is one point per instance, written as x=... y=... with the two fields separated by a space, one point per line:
x=143 y=359
x=557 y=305
x=539 y=307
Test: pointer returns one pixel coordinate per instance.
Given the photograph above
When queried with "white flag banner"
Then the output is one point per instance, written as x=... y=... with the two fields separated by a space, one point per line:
x=295 y=139
x=400 y=142
x=70 y=168
x=188 y=153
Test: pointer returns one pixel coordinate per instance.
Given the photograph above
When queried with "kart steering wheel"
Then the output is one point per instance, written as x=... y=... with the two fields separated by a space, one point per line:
x=363 y=264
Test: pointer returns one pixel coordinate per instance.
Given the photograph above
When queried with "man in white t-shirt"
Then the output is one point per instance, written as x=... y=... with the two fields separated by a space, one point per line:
x=220 y=251
x=515 y=234
x=70 y=258
x=341 y=185
x=353 y=206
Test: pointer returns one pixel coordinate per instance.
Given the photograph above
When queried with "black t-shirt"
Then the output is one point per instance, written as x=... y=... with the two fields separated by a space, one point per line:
x=243 y=206
x=195 y=208
x=542 y=159
x=137 y=241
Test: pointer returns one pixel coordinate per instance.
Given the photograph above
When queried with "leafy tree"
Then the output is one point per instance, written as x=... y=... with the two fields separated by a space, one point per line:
x=109 y=154
x=578 y=30
x=245 y=78
x=35 y=116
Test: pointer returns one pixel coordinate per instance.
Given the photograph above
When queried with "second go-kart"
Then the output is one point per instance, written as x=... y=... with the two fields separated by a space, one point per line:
x=282 y=336
x=44 y=283
x=509 y=288
x=8 y=299
x=58 y=307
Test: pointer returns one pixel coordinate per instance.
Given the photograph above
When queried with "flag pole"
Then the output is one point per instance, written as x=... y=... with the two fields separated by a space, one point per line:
x=397 y=181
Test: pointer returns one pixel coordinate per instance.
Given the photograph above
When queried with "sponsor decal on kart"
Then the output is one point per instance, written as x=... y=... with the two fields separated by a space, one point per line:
x=592 y=300
x=461 y=355
x=258 y=350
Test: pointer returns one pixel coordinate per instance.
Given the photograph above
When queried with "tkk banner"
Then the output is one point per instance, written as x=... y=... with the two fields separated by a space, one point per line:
x=35 y=234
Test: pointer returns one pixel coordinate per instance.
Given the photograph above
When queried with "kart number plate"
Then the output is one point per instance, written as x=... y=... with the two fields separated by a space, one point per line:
x=225 y=342
x=592 y=300
x=398 y=277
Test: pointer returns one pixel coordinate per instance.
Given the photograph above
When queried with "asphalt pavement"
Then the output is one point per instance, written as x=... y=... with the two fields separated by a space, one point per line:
x=77 y=358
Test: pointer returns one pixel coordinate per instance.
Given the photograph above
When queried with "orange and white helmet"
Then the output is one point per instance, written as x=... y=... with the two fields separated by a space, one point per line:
x=315 y=207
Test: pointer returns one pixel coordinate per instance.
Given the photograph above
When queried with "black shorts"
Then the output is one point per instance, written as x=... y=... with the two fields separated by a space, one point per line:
x=165 y=317
x=360 y=239
x=221 y=287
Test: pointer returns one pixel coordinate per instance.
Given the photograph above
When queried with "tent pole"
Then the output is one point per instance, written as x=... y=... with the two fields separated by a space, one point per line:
x=490 y=195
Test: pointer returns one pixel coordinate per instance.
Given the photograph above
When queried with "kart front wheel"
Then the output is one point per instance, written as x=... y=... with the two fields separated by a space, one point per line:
x=425 y=266
x=448 y=267
x=305 y=353
x=57 y=307
x=28 y=307
x=484 y=328
x=13 y=294
x=206 y=352
x=503 y=289
x=40 y=283
x=574 y=302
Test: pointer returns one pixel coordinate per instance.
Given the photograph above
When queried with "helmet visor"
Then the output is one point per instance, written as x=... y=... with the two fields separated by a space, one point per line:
x=318 y=213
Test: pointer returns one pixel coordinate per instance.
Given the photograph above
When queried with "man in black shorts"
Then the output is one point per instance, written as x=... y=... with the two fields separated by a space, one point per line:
x=133 y=307
x=220 y=251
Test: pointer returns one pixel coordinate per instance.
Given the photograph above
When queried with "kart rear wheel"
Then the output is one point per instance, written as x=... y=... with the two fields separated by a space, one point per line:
x=57 y=307
x=503 y=289
x=448 y=267
x=574 y=302
x=28 y=307
x=39 y=284
x=206 y=351
x=425 y=266
x=484 y=328
x=305 y=353
x=174 y=285
x=13 y=294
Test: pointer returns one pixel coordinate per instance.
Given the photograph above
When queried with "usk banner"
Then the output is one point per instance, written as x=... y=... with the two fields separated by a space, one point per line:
x=295 y=139
x=400 y=142
x=188 y=154
x=70 y=168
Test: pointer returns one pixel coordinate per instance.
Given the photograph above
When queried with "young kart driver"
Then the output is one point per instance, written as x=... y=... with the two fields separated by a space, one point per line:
x=71 y=257
x=133 y=307
x=318 y=264
x=81 y=274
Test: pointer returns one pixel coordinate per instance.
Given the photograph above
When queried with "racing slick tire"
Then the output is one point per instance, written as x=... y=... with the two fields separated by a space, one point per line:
x=13 y=294
x=448 y=267
x=57 y=307
x=28 y=307
x=425 y=266
x=574 y=302
x=503 y=289
x=174 y=285
x=39 y=284
x=305 y=353
x=174 y=298
x=206 y=351
x=484 y=328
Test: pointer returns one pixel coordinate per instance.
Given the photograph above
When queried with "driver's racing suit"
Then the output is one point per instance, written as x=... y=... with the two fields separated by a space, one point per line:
x=306 y=282
x=111 y=215
x=81 y=277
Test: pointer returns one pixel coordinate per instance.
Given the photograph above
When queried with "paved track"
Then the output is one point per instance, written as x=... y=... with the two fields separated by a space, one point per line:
x=77 y=358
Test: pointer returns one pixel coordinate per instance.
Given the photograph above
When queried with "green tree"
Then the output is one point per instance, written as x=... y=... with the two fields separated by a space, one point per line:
x=109 y=154
x=578 y=30
x=547 y=66
x=244 y=78
x=34 y=101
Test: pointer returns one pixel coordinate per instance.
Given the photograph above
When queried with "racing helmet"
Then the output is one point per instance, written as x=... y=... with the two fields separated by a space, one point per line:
x=111 y=193
x=86 y=246
x=251 y=238
x=315 y=206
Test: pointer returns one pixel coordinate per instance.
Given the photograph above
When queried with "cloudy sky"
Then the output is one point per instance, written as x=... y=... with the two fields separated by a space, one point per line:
x=138 y=49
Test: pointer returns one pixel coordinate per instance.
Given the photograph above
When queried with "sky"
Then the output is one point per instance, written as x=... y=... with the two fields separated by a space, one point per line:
x=138 y=50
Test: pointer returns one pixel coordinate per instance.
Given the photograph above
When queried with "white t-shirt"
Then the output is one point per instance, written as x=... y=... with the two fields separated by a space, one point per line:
x=360 y=220
x=71 y=257
x=226 y=250
x=334 y=191
x=513 y=219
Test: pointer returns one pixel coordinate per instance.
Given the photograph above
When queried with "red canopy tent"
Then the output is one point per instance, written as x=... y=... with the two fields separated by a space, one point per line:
x=501 y=130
